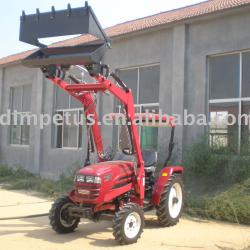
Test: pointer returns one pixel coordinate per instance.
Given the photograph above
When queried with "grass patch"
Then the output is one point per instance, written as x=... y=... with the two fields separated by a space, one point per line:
x=217 y=184
x=215 y=170
x=231 y=205
x=21 y=179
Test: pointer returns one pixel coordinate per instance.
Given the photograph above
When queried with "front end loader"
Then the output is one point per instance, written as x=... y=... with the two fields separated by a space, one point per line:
x=121 y=185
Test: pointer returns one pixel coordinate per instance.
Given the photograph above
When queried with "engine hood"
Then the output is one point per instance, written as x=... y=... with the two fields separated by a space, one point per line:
x=103 y=168
x=116 y=178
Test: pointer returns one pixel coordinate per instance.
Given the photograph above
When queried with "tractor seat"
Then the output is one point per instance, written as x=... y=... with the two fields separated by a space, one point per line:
x=149 y=157
x=150 y=160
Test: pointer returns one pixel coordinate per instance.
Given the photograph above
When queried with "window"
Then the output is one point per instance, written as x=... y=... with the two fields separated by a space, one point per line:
x=229 y=94
x=149 y=84
x=221 y=135
x=20 y=105
x=68 y=134
x=130 y=78
x=224 y=77
x=144 y=82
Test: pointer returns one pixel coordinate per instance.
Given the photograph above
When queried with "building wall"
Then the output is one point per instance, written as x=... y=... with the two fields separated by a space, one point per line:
x=10 y=154
x=181 y=51
x=148 y=48
x=219 y=35
x=54 y=161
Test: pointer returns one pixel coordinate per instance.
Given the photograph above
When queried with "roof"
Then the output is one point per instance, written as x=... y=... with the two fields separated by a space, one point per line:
x=168 y=17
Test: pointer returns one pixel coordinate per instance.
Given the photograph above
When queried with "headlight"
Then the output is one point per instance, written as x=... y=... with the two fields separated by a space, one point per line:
x=88 y=179
x=98 y=180
x=80 y=178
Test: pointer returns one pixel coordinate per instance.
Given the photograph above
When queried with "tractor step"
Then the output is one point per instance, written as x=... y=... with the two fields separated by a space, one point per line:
x=147 y=205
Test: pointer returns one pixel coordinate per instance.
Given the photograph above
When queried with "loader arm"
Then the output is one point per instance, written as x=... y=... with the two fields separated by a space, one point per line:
x=55 y=61
x=89 y=107
x=82 y=92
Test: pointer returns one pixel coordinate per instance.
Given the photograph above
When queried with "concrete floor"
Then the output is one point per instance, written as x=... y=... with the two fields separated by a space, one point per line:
x=36 y=234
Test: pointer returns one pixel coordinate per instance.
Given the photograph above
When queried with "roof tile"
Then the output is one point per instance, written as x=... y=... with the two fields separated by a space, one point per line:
x=208 y=7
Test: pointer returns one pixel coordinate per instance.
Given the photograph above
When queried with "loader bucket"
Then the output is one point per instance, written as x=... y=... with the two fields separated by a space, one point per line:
x=77 y=55
x=71 y=21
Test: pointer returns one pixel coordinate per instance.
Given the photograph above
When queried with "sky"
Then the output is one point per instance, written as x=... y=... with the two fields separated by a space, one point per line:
x=109 y=12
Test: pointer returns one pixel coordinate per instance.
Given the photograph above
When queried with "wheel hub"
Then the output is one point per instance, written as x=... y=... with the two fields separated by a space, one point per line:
x=175 y=200
x=132 y=225
x=65 y=218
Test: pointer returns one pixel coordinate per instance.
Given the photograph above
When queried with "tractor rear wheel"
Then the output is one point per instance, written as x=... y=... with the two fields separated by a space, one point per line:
x=59 y=217
x=128 y=224
x=171 y=203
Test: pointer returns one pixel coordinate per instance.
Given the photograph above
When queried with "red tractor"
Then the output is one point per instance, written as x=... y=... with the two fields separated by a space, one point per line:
x=122 y=185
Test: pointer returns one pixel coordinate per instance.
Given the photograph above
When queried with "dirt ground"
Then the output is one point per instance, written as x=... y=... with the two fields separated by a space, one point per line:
x=36 y=234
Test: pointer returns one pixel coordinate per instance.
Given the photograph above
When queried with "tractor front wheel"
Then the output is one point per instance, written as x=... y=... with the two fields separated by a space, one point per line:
x=59 y=217
x=171 y=203
x=128 y=224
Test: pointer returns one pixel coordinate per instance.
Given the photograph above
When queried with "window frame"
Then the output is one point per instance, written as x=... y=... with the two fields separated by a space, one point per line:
x=63 y=125
x=238 y=101
x=69 y=109
x=138 y=76
x=20 y=144
x=56 y=111
x=140 y=106
x=136 y=102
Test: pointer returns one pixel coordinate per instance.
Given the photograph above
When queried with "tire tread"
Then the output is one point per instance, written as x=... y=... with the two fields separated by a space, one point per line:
x=54 y=217
x=119 y=219
x=162 y=211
